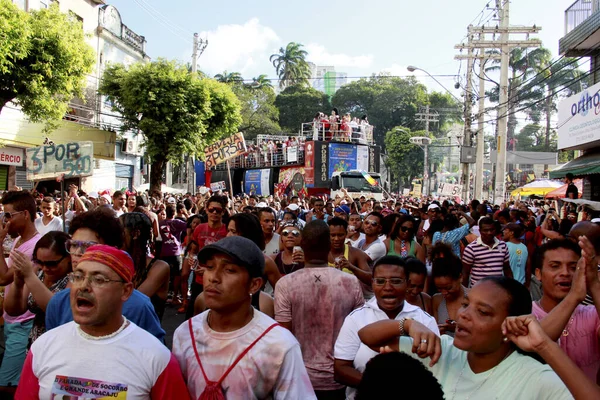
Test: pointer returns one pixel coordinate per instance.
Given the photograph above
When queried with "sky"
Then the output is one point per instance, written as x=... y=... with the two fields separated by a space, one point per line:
x=356 y=36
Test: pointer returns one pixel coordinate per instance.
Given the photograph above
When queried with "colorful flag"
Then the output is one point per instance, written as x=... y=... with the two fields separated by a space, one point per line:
x=369 y=178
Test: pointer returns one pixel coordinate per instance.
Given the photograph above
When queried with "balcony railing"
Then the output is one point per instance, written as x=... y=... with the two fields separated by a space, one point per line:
x=256 y=157
x=359 y=134
x=579 y=12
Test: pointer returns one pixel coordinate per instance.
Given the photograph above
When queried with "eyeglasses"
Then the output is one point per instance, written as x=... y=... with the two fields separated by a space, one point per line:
x=372 y=223
x=96 y=280
x=214 y=210
x=49 y=264
x=286 y=233
x=393 y=281
x=405 y=228
x=78 y=247
x=8 y=215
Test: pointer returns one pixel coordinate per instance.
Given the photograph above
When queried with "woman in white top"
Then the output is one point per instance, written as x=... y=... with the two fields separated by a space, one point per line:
x=480 y=362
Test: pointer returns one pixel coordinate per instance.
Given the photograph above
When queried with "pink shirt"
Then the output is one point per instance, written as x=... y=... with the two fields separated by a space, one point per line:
x=316 y=301
x=580 y=338
x=27 y=249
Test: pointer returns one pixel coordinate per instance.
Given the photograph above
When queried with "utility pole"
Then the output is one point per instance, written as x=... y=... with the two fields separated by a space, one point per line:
x=426 y=117
x=465 y=180
x=478 y=192
x=504 y=45
x=199 y=46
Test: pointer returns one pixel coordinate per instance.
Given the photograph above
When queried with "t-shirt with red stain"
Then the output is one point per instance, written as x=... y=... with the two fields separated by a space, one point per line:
x=205 y=235
x=316 y=301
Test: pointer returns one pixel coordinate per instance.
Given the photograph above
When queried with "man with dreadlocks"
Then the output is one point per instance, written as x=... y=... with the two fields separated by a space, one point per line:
x=151 y=275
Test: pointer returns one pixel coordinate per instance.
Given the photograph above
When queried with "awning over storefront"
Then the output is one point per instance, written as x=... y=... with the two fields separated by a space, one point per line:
x=585 y=165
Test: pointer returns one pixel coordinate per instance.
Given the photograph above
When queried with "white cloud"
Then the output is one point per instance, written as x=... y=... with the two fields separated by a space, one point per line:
x=320 y=56
x=236 y=48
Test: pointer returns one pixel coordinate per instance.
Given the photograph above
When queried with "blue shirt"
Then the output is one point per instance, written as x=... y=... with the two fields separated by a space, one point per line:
x=517 y=256
x=138 y=309
x=452 y=238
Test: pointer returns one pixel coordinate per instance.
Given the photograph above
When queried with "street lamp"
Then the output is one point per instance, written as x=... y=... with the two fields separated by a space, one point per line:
x=412 y=68
x=423 y=142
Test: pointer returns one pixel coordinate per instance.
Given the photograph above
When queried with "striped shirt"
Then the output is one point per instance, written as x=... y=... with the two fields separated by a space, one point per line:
x=485 y=260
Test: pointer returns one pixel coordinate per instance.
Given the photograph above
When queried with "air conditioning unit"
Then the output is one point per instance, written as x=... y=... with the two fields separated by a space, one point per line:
x=130 y=146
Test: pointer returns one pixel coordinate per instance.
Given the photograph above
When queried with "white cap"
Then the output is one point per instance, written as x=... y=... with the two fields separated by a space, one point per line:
x=293 y=207
x=171 y=200
x=596 y=221
x=107 y=197
x=262 y=204
x=432 y=207
x=93 y=195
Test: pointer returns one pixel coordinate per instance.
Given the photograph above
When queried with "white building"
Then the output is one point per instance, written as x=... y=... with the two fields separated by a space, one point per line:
x=117 y=161
x=326 y=79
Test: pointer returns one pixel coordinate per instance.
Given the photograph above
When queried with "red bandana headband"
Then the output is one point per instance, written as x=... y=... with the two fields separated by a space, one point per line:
x=117 y=260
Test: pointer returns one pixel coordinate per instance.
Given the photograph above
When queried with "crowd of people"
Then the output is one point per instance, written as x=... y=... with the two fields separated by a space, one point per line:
x=341 y=128
x=298 y=298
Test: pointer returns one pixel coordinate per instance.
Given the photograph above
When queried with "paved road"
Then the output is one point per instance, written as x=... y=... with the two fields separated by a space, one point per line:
x=171 y=321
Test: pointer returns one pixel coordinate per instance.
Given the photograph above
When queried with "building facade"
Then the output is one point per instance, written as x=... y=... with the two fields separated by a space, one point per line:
x=117 y=156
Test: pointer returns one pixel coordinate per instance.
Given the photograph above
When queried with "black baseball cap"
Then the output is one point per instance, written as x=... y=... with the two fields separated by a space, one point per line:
x=244 y=252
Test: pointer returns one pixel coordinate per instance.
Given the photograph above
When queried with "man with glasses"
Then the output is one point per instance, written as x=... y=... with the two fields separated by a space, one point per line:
x=205 y=234
x=88 y=229
x=19 y=213
x=312 y=303
x=101 y=353
x=371 y=244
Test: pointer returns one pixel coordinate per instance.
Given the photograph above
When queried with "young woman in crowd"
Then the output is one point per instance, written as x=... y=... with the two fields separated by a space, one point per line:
x=402 y=241
x=151 y=274
x=291 y=257
x=447 y=278
x=480 y=362
x=415 y=285
x=131 y=202
x=33 y=292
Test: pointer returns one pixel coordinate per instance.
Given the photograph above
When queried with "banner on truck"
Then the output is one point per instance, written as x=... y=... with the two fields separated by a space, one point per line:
x=291 y=182
x=342 y=157
x=257 y=182
x=224 y=150
x=309 y=164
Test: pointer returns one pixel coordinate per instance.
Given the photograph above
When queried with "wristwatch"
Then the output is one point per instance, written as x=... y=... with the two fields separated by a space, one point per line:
x=402 y=321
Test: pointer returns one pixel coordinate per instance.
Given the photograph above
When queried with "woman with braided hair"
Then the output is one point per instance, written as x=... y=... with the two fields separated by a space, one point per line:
x=151 y=276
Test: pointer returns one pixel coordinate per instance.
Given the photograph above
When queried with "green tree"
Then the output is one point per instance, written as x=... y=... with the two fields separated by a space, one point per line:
x=404 y=158
x=261 y=82
x=178 y=113
x=299 y=104
x=291 y=66
x=259 y=114
x=229 y=77
x=44 y=60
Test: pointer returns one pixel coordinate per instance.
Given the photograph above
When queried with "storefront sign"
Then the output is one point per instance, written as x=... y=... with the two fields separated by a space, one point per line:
x=50 y=162
x=224 y=150
x=11 y=156
x=579 y=119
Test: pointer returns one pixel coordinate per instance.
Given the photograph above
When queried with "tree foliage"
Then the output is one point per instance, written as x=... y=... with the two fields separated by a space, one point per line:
x=44 y=60
x=299 y=104
x=259 y=114
x=404 y=158
x=291 y=66
x=178 y=113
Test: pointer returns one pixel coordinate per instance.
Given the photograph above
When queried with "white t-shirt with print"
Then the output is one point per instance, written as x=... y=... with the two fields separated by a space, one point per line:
x=273 y=368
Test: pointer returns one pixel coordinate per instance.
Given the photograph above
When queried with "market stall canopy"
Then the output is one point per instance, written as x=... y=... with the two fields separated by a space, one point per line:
x=587 y=164
x=561 y=192
x=539 y=187
x=594 y=205
x=163 y=188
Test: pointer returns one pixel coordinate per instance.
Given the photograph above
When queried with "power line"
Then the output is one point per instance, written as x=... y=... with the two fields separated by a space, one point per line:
x=169 y=25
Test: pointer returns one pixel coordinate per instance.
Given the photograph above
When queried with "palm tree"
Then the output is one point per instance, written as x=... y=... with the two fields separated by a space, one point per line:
x=261 y=82
x=291 y=66
x=229 y=77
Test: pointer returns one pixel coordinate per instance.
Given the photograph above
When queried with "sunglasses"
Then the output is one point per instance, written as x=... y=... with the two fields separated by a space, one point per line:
x=286 y=233
x=372 y=223
x=405 y=228
x=49 y=264
x=8 y=215
x=214 y=210
x=78 y=247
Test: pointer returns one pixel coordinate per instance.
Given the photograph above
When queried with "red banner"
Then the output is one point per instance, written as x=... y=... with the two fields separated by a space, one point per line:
x=309 y=164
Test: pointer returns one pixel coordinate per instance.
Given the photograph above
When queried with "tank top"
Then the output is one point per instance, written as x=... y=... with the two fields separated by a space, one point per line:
x=412 y=250
x=346 y=254
x=285 y=269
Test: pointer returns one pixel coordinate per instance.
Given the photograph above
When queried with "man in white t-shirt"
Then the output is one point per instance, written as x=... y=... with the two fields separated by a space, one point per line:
x=49 y=222
x=351 y=355
x=267 y=218
x=118 y=205
x=100 y=354
x=209 y=344
x=372 y=244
